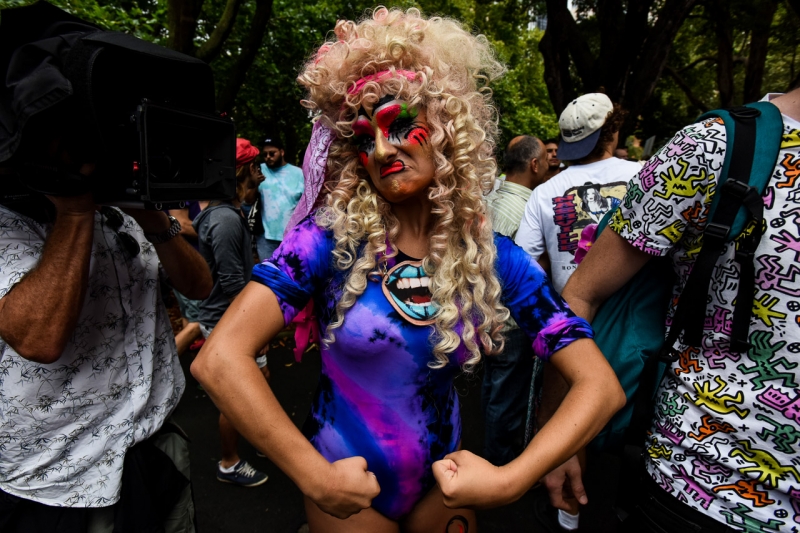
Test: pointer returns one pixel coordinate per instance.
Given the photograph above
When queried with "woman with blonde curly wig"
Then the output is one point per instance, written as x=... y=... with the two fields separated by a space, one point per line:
x=410 y=285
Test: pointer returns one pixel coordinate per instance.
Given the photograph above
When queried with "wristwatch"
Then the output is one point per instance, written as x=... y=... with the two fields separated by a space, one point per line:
x=169 y=233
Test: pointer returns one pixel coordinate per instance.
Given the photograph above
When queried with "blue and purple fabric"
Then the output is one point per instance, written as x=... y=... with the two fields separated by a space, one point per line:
x=377 y=397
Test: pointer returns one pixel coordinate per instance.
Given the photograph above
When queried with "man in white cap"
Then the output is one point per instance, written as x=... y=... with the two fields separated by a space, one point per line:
x=560 y=209
x=593 y=184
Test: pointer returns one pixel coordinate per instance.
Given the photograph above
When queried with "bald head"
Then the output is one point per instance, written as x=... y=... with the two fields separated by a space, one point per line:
x=525 y=161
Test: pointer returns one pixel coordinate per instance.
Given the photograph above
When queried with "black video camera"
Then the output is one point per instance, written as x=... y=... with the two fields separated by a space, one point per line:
x=142 y=114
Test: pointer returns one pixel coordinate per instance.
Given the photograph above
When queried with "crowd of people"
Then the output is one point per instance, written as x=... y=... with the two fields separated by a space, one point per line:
x=418 y=261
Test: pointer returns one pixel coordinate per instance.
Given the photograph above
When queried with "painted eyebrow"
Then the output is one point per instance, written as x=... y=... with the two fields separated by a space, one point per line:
x=380 y=103
x=386 y=115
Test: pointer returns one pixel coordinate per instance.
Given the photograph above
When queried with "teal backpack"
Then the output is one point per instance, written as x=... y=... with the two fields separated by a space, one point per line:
x=630 y=327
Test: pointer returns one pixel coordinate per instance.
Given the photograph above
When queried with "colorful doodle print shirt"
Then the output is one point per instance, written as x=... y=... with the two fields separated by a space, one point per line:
x=726 y=434
x=65 y=426
x=377 y=397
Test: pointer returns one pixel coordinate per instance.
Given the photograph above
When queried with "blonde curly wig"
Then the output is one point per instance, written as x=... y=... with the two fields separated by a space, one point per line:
x=453 y=69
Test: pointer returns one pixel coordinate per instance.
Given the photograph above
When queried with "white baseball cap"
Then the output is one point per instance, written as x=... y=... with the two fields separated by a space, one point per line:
x=580 y=124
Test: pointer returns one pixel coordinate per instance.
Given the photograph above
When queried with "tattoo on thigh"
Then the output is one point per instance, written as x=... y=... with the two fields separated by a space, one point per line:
x=457 y=524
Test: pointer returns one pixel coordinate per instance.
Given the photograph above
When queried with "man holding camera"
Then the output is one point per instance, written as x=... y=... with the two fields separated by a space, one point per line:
x=89 y=368
x=89 y=372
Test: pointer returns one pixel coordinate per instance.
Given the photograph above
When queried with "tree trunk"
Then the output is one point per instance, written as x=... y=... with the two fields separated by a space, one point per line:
x=630 y=62
x=211 y=48
x=687 y=90
x=720 y=12
x=182 y=24
x=759 y=42
x=250 y=46
x=617 y=55
x=649 y=64
x=554 y=49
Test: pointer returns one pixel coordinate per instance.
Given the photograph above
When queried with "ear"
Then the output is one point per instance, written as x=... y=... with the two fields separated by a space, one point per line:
x=534 y=166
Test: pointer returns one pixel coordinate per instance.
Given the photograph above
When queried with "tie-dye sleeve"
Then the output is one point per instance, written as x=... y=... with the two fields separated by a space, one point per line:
x=534 y=303
x=299 y=268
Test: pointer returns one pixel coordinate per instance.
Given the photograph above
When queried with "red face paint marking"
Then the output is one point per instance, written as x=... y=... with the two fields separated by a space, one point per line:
x=386 y=116
x=363 y=158
x=418 y=135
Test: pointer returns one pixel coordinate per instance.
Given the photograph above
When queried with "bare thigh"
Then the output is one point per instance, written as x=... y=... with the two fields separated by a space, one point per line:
x=431 y=516
x=367 y=521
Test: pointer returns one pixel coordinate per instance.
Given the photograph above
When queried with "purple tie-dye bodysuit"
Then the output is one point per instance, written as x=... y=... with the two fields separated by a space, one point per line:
x=377 y=397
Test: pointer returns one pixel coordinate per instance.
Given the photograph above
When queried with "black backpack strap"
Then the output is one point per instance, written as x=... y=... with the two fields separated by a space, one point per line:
x=734 y=193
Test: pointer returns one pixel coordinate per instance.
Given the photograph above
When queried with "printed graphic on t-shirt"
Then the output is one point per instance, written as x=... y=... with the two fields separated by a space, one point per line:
x=407 y=287
x=726 y=432
x=583 y=205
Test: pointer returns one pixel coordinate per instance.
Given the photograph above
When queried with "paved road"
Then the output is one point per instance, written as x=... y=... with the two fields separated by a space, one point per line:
x=277 y=506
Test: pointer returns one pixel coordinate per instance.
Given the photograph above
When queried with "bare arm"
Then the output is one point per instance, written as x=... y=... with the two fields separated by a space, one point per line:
x=544 y=262
x=610 y=264
x=187 y=270
x=38 y=315
x=227 y=369
x=594 y=396
x=251 y=188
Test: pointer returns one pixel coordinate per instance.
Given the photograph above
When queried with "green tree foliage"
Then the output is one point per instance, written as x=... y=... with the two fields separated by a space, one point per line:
x=722 y=53
x=714 y=61
x=267 y=99
x=521 y=95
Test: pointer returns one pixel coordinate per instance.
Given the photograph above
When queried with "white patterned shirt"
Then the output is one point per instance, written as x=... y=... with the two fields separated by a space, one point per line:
x=65 y=426
x=726 y=432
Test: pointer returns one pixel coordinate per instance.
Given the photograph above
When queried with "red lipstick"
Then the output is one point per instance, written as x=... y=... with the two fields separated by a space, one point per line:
x=395 y=167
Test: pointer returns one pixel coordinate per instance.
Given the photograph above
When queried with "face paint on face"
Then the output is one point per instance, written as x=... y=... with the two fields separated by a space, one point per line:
x=394 y=147
x=407 y=287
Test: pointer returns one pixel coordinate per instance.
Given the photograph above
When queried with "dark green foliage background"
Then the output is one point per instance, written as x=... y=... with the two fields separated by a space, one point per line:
x=268 y=101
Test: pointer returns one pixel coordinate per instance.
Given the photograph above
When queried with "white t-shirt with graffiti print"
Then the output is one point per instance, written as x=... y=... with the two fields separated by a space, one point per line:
x=726 y=434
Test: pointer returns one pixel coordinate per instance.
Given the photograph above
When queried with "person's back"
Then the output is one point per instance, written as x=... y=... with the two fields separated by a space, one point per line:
x=224 y=242
x=723 y=443
x=559 y=210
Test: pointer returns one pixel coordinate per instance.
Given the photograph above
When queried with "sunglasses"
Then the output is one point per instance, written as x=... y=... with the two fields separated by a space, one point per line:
x=271 y=153
x=114 y=220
